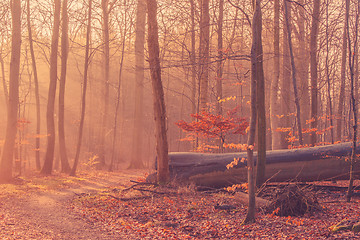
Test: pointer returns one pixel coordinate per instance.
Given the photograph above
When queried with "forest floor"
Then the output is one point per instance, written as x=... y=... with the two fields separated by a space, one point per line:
x=101 y=205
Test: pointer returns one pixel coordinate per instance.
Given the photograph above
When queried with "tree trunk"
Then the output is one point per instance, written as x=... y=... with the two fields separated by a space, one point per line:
x=65 y=167
x=158 y=94
x=37 y=95
x=83 y=100
x=219 y=73
x=260 y=97
x=11 y=127
x=49 y=155
x=274 y=103
x=313 y=69
x=352 y=59
x=286 y=106
x=193 y=58
x=204 y=54
x=256 y=69
x=118 y=93
x=6 y=94
x=341 y=103
x=303 y=69
x=106 y=72
x=137 y=147
x=293 y=70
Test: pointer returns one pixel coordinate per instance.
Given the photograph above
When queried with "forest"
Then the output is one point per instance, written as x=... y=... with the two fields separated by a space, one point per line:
x=165 y=119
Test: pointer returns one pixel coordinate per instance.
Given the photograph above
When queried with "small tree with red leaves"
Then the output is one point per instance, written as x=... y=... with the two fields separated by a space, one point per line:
x=212 y=126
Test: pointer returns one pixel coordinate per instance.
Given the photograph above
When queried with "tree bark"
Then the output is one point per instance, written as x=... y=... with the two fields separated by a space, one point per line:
x=219 y=72
x=106 y=72
x=65 y=167
x=83 y=100
x=274 y=103
x=313 y=69
x=204 y=54
x=341 y=103
x=293 y=71
x=255 y=72
x=260 y=96
x=137 y=147
x=50 y=122
x=11 y=127
x=286 y=106
x=158 y=94
x=352 y=59
x=37 y=95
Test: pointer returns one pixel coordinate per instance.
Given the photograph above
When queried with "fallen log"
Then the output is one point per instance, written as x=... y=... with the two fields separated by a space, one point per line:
x=304 y=164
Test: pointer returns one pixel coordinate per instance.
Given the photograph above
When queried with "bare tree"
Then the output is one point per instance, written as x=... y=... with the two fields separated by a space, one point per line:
x=158 y=94
x=37 y=95
x=352 y=59
x=139 y=86
x=11 y=127
x=256 y=75
x=314 y=69
x=83 y=100
x=293 y=71
x=50 y=122
x=204 y=54
x=343 y=76
x=274 y=103
x=65 y=167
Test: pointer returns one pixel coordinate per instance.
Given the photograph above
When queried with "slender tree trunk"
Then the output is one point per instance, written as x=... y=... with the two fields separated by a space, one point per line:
x=314 y=69
x=286 y=106
x=37 y=95
x=106 y=72
x=256 y=72
x=274 y=103
x=328 y=75
x=297 y=102
x=6 y=94
x=204 y=54
x=50 y=122
x=137 y=147
x=303 y=70
x=11 y=127
x=118 y=94
x=340 y=110
x=219 y=73
x=260 y=96
x=193 y=58
x=352 y=59
x=65 y=167
x=83 y=100
x=158 y=94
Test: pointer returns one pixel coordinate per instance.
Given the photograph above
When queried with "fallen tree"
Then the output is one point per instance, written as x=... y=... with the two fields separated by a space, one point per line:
x=304 y=164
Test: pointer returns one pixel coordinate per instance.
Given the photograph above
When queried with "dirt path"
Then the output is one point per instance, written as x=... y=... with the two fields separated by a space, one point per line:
x=47 y=215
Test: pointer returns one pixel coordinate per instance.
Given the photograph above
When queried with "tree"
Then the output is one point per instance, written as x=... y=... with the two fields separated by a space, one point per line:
x=207 y=125
x=11 y=127
x=204 y=54
x=314 y=69
x=352 y=59
x=50 y=122
x=106 y=72
x=65 y=167
x=158 y=94
x=256 y=75
x=274 y=103
x=139 y=86
x=293 y=70
x=37 y=95
x=83 y=100
x=343 y=75
x=219 y=73
x=260 y=95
